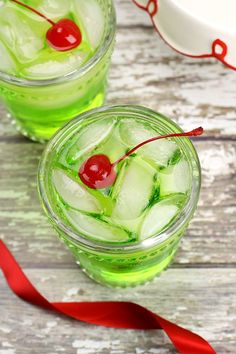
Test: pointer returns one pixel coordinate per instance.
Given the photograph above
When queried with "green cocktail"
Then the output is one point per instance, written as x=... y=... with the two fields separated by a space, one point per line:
x=126 y=233
x=43 y=87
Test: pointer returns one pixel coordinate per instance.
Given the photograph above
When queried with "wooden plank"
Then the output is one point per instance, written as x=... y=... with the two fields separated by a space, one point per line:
x=191 y=92
x=129 y=15
x=199 y=299
x=146 y=71
x=209 y=240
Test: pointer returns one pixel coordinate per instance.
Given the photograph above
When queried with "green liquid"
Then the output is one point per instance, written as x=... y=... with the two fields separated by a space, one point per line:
x=152 y=188
x=49 y=97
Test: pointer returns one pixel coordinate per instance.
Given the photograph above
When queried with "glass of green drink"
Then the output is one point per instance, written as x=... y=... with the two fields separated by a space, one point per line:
x=42 y=84
x=127 y=232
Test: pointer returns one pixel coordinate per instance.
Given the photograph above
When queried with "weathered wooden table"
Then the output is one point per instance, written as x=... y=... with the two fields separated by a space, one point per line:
x=198 y=291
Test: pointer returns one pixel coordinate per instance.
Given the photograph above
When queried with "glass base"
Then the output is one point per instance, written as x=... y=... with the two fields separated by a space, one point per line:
x=42 y=129
x=129 y=278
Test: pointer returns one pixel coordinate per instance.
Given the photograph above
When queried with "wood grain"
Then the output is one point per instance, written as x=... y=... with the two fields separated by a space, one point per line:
x=209 y=240
x=201 y=300
x=198 y=291
x=190 y=91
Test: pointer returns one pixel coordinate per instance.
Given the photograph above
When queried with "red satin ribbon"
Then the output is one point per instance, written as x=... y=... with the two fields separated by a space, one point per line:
x=109 y=314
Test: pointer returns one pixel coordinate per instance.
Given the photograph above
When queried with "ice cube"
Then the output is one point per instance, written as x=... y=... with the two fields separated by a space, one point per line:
x=158 y=152
x=175 y=179
x=133 y=189
x=54 y=68
x=90 y=137
x=7 y=63
x=55 y=8
x=95 y=228
x=133 y=132
x=90 y=13
x=160 y=216
x=19 y=36
x=74 y=194
x=131 y=225
x=113 y=148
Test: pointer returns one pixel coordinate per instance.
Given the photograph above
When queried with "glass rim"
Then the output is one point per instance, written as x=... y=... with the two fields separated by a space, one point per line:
x=97 y=245
x=99 y=54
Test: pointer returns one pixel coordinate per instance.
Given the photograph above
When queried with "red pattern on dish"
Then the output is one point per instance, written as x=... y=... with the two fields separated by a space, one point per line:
x=154 y=3
x=215 y=43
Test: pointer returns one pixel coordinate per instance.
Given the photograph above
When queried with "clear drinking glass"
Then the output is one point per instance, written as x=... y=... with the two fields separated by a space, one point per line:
x=39 y=107
x=119 y=264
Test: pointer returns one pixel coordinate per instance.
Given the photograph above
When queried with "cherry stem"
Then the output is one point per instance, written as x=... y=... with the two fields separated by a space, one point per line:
x=35 y=11
x=195 y=132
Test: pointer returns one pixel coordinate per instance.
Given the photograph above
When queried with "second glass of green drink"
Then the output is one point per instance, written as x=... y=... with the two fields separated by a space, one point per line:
x=41 y=85
x=124 y=232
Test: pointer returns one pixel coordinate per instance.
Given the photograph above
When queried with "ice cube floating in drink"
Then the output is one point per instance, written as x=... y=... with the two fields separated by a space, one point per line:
x=128 y=233
x=43 y=88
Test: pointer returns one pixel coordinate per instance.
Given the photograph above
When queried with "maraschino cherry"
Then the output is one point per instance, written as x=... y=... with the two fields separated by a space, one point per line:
x=62 y=35
x=98 y=172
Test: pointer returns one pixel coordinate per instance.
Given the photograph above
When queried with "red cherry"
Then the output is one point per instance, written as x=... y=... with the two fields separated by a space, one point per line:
x=64 y=35
x=97 y=172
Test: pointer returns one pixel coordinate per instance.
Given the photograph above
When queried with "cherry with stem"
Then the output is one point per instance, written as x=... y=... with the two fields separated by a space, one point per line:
x=98 y=171
x=63 y=35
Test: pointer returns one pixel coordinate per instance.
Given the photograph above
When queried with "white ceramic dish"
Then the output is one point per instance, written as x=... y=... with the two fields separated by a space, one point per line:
x=196 y=28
